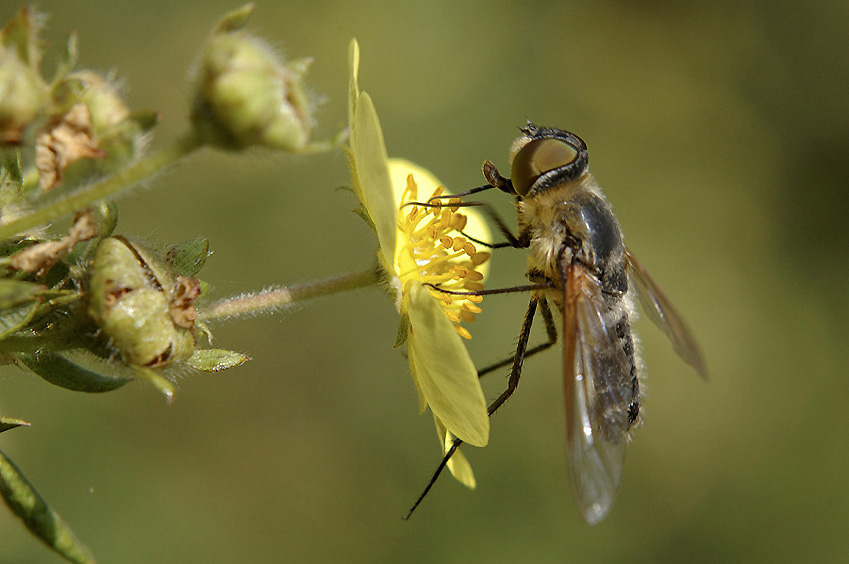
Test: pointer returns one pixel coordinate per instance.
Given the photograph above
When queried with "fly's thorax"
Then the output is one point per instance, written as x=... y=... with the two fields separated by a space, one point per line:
x=574 y=217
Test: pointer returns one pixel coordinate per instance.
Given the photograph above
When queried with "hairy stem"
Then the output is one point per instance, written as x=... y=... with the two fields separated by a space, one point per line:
x=272 y=299
x=126 y=178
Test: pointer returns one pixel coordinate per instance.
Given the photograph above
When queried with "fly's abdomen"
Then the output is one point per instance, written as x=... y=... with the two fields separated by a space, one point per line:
x=616 y=382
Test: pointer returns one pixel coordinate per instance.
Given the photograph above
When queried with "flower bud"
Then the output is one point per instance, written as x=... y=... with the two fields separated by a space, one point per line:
x=23 y=96
x=145 y=312
x=247 y=96
x=93 y=131
x=23 y=93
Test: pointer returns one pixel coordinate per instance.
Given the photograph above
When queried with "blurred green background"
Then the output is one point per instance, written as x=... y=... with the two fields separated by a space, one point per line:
x=719 y=133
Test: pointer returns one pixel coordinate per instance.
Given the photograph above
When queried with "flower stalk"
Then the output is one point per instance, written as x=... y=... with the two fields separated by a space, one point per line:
x=132 y=175
x=276 y=298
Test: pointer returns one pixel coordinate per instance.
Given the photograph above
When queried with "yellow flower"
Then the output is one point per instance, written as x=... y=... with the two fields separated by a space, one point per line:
x=423 y=245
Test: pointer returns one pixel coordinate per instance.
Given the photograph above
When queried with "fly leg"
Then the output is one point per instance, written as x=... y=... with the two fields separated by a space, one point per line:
x=519 y=357
x=520 y=241
x=517 y=360
x=551 y=330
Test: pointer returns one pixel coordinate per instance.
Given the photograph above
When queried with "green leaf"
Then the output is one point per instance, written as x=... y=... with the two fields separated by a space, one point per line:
x=16 y=318
x=11 y=178
x=61 y=372
x=7 y=423
x=30 y=507
x=216 y=360
x=188 y=257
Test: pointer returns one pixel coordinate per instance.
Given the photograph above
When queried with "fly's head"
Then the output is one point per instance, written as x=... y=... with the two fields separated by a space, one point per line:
x=543 y=158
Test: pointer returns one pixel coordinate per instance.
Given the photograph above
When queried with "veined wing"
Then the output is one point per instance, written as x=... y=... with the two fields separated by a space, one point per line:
x=598 y=374
x=660 y=310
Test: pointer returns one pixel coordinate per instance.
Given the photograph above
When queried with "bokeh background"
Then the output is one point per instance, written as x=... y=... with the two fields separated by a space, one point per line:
x=719 y=133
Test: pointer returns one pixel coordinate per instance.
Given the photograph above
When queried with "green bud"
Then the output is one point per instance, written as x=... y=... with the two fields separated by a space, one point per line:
x=23 y=96
x=91 y=132
x=146 y=313
x=247 y=96
x=105 y=106
x=23 y=93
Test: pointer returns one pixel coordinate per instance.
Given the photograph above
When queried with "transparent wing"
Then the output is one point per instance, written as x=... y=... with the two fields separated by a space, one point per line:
x=663 y=314
x=597 y=375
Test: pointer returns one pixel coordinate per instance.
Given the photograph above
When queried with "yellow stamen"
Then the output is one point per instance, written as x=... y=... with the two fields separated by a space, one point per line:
x=441 y=255
x=473 y=275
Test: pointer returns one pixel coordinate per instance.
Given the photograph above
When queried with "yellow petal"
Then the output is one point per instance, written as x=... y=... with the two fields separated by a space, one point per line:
x=370 y=162
x=353 y=71
x=442 y=368
x=457 y=464
x=399 y=169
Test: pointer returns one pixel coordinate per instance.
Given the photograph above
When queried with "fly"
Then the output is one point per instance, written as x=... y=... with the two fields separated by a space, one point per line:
x=579 y=268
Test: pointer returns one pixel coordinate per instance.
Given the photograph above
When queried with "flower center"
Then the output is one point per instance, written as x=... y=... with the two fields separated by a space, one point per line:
x=442 y=256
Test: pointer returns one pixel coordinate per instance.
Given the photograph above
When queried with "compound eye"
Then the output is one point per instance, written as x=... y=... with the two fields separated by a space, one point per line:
x=536 y=158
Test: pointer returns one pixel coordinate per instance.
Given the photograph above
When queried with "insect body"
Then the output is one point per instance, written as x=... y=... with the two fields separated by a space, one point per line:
x=580 y=267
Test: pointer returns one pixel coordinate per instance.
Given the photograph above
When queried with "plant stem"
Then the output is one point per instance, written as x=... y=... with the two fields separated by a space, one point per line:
x=122 y=179
x=272 y=299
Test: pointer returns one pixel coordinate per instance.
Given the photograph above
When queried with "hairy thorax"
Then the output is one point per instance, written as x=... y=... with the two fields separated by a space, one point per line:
x=573 y=221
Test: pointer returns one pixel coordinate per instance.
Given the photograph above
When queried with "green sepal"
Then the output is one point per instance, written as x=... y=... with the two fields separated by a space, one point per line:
x=145 y=120
x=106 y=214
x=204 y=290
x=235 y=20
x=21 y=35
x=403 y=331
x=25 y=502
x=188 y=257
x=15 y=292
x=363 y=213
x=61 y=372
x=10 y=161
x=216 y=360
x=160 y=382
x=202 y=328
x=70 y=58
x=7 y=423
